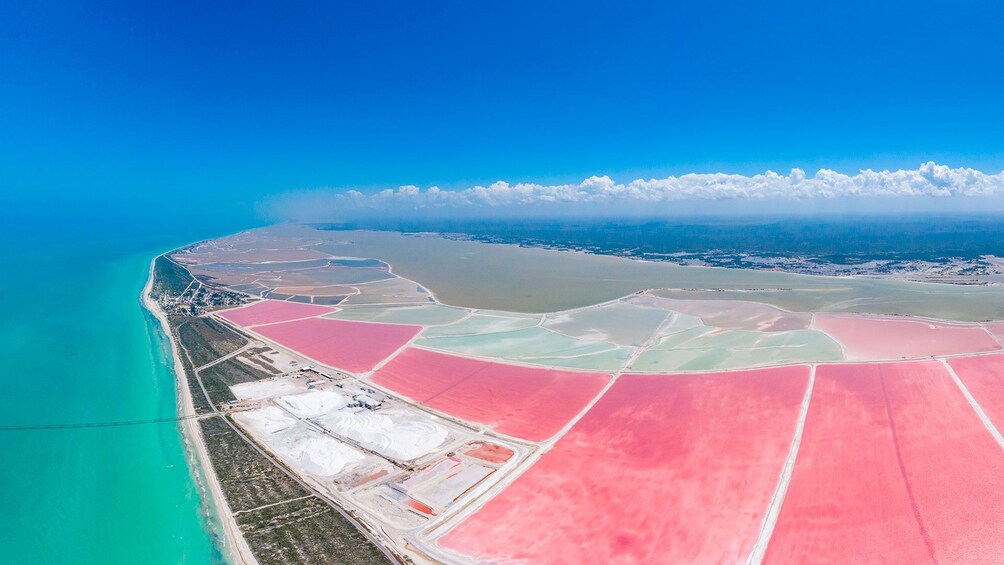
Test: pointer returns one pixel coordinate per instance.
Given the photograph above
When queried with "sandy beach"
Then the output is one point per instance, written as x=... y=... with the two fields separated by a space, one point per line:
x=235 y=546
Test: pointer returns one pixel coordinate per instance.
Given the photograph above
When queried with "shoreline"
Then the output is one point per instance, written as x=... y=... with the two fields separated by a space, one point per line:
x=235 y=546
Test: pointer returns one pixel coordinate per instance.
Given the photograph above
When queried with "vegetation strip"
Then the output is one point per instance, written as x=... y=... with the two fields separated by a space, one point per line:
x=309 y=531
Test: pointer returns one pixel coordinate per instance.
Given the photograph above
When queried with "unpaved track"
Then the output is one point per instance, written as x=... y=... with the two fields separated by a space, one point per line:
x=237 y=546
x=242 y=551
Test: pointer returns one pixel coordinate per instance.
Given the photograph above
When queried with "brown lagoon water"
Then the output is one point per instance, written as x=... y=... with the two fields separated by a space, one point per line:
x=513 y=278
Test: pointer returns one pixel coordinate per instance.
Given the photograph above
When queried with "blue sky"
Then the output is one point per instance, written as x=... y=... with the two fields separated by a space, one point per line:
x=111 y=105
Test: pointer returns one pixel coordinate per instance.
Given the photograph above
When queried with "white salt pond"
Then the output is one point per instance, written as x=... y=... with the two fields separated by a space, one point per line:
x=436 y=471
x=444 y=492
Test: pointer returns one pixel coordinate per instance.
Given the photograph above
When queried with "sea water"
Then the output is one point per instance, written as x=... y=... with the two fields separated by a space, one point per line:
x=77 y=346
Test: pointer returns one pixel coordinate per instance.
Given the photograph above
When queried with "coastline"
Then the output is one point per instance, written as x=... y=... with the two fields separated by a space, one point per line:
x=236 y=547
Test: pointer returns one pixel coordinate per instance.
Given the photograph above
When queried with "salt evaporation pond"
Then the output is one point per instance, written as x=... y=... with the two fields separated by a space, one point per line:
x=272 y=311
x=871 y=338
x=355 y=347
x=983 y=376
x=635 y=482
x=520 y=401
x=620 y=323
x=425 y=314
x=478 y=324
x=894 y=465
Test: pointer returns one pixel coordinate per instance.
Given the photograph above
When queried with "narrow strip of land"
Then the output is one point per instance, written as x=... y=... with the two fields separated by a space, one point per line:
x=770 y=520
x=256 y=531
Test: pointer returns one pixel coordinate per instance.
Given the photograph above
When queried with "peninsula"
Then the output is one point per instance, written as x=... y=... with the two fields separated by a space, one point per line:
x=369 y=397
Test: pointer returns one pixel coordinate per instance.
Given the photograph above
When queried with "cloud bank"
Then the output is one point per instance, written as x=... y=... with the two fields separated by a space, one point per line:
x=930 y=183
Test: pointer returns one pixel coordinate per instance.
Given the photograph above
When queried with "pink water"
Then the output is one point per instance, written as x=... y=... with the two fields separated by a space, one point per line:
x=356 y=347
x=663 y=469
x=873 y=338
x=271 y=311
x=530 y=403
x=984 y=377
x=895 y=467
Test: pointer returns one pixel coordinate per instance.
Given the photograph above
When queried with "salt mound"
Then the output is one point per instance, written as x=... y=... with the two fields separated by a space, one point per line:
x=314 y=403
x=318 y=454
x=257 y=390
x=299 y=445
x=395 y=434
x=266 y=421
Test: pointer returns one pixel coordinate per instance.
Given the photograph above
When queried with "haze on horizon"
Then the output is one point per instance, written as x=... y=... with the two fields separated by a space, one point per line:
x=929 y=188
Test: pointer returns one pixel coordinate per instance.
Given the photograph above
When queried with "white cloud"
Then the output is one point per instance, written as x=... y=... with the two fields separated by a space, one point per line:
x=602 y=193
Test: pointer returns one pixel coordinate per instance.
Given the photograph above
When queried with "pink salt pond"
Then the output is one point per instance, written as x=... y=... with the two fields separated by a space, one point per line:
x=530 y=403
x=996 y=329
x=983 y=376
x=272 y=311
x=490 y=452
x=663 y=469
x=356 y=347
x=894 y=467
x=868 y=338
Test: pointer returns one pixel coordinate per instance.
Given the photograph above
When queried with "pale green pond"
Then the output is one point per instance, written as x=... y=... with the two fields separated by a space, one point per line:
x=620 y=323
x=426 y=314
x=480 y=324
x=703 y=348
x=531 y=345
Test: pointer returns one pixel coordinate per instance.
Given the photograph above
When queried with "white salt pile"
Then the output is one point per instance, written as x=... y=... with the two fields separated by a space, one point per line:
x=398 y=434
x=257 y=390
x=300 y=446
x=314 y=403
x=266 y=421
x=318 y=454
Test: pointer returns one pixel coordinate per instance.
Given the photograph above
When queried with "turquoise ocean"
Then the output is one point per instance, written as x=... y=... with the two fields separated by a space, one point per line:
x=77 y=346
